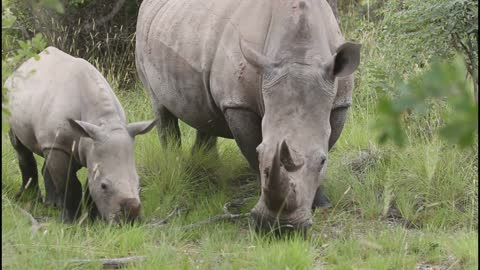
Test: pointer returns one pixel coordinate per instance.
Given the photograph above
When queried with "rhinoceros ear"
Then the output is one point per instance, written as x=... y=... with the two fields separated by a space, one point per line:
x=346 y=59
x=139 y=128
x=85 y=129
x=254 y=57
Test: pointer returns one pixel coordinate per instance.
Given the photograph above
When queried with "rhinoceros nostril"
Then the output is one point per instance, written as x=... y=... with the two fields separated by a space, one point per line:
x=103 y=186
x=131 y=208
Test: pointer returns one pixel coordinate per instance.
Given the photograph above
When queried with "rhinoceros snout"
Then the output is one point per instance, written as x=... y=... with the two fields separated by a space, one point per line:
x=267 y=220
x=130 y=208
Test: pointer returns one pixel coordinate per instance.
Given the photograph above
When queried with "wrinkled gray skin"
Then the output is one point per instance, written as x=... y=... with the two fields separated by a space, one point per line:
x=275 y=75
x=63 y=109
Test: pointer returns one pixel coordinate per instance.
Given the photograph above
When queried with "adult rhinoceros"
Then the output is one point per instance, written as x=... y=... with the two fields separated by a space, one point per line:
x=275 y=75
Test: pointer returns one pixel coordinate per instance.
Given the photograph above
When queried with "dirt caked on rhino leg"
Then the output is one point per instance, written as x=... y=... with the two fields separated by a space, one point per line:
x=62 y=170
x=28 y=169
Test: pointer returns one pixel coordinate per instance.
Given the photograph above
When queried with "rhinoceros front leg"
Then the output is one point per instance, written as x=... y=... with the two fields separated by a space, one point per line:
x=338 y=117
x=320 y=200
x=28 y=169
x=167 y=126
x=246 y=128
x=51 y=196
x=62 y=170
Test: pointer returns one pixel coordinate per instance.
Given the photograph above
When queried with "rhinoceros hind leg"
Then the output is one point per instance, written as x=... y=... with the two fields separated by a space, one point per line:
x=205 y=141
x=320 y=200
x=62 y=170
x=247 y=131
x=28 y=169
x=167 y=126
x=52 y=198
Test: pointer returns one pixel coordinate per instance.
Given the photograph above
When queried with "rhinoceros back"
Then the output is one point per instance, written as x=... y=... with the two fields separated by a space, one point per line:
x=189 y=59
x=44 y=93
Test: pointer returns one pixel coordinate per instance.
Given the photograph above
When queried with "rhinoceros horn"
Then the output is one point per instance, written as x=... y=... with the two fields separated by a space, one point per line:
x=278 y=184
x=286 y=158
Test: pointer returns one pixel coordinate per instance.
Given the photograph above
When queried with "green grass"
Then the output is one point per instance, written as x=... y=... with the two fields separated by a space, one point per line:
x=392 y=208
x=432 y=185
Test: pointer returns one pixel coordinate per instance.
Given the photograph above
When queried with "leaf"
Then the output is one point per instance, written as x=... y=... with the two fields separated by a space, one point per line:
x=443 y=79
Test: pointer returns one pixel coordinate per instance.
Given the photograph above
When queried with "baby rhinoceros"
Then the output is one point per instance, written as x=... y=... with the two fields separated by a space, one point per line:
x=62 y=108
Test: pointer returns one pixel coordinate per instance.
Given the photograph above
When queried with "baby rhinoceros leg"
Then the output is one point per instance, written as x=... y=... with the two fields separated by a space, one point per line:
x=52 y=198
x=62 y=170
x=28 y=169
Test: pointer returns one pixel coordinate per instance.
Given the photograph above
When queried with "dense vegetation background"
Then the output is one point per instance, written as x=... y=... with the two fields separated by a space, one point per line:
x=402 y=178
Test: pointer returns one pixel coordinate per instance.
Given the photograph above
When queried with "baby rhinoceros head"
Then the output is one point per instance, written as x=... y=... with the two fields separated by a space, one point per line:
x=112 y=176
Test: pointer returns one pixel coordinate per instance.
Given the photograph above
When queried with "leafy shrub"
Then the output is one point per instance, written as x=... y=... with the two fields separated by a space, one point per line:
x=15 y=50
x=101 y=32
x=444 y=81
x=430 y=28
x=414 y=33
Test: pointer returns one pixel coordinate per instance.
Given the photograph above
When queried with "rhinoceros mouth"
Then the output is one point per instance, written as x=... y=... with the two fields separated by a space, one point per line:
x=265 y=219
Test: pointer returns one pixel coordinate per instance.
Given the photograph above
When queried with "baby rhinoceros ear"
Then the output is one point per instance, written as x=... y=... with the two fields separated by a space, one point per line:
x=85 y=129
x=139 y=128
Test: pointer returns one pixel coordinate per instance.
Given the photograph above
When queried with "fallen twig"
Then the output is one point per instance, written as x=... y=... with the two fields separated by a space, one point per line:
x=111 y=262
x=165 y=220
x=235 y=204
x=217 y=218
x=33 y=221
x=226 y=216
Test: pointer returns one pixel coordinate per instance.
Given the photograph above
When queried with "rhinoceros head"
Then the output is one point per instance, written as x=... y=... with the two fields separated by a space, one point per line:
x=298 y=88
x=113 y=181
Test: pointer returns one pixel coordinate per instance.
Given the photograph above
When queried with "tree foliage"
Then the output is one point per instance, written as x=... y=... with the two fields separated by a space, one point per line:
x=443 y=81
x=101 y=32
x=412 y=84
x=433 y=28
x=15 y=50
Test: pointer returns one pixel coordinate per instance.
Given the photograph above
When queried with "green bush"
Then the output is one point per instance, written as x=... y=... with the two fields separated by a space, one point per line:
x=445 y=82
x=408 y=35
x=101 y=32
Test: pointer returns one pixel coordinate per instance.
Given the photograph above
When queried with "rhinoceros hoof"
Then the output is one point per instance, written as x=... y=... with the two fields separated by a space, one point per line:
x=321 y=201
x=55 y=202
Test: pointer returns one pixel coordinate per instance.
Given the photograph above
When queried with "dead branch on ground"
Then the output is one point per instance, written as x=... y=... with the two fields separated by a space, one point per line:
x=110 y=263
x=226 y=216
x=168 y=217
x=217 y=218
